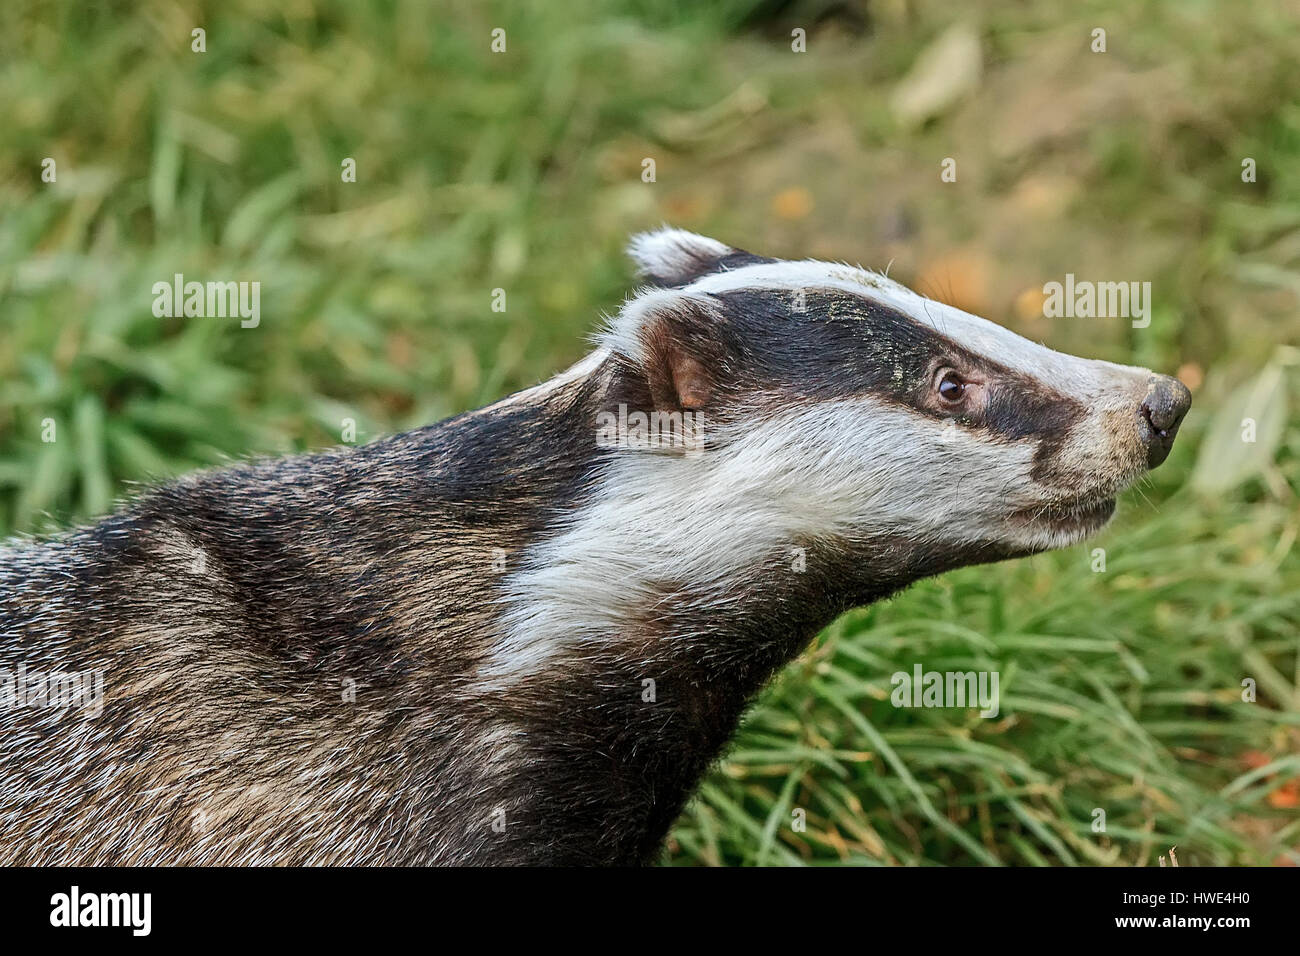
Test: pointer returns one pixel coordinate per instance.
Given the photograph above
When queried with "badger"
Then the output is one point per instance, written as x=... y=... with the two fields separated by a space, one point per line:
x=523 y=634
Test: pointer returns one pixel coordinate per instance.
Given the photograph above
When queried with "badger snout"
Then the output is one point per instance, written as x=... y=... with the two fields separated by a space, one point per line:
x=1161 y=413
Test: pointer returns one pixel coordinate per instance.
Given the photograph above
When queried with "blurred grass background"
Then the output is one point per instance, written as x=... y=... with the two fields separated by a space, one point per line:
x=522 y=171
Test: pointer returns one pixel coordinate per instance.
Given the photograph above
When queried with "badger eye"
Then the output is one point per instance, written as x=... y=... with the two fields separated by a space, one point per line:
x=951 y=388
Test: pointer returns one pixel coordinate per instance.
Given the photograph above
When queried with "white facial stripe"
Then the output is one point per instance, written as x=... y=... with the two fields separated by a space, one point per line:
x=704 y=522
x=1084 y=378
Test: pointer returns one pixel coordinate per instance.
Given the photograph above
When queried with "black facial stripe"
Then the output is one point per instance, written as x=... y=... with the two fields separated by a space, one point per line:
x=842 y=344
x=1021 y=407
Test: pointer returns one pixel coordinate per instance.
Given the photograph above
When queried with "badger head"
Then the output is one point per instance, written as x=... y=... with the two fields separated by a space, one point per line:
x=812 y=418
x=837 y=406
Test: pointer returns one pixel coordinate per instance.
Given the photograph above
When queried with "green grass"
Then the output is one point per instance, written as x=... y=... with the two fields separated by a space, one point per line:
x=1121 y=690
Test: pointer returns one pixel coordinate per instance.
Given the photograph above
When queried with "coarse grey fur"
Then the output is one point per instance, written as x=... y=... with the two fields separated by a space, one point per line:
x=435 y=648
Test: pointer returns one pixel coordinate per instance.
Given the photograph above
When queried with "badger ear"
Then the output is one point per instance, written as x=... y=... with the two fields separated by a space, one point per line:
x=674 y=257
x=669 y=343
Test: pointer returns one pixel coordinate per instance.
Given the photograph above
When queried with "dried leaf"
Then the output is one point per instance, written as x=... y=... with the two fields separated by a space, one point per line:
x=946 y=70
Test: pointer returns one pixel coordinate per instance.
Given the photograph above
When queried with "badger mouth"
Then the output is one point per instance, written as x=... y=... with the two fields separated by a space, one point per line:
x=1080 y=516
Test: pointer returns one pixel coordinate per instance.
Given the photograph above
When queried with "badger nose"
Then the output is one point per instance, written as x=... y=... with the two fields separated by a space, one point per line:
x=1163 y=409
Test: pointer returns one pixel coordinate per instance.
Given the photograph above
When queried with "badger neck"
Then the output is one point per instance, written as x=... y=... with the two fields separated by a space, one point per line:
x=638 y=625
